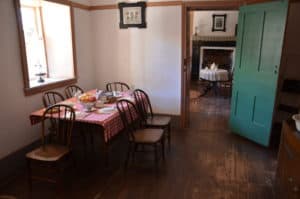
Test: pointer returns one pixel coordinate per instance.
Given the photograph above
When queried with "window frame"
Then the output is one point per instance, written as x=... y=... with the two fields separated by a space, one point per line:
x=26 y=81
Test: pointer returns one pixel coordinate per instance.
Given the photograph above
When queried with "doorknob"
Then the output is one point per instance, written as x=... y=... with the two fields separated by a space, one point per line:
x=275 y=71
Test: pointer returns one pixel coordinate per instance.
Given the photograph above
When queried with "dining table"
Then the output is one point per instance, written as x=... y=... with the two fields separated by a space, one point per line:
x=110 y=123
x=213 y=77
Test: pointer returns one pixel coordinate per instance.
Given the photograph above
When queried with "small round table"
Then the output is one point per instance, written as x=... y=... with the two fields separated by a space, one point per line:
x=213 y=76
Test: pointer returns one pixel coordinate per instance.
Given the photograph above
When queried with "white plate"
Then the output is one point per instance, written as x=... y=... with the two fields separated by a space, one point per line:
x=107 y=110
x=99 y=104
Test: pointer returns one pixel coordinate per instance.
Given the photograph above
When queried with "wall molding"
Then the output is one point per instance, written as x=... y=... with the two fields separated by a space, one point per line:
x=103 y=7
x=164 y=3
x=170 y=3
x=79 y=5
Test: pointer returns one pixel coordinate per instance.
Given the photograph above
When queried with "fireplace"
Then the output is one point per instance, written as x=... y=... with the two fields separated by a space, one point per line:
x=221 y=56
x=221 y=47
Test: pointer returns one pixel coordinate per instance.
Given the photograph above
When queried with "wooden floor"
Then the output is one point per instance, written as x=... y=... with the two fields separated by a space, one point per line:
x=205 y=161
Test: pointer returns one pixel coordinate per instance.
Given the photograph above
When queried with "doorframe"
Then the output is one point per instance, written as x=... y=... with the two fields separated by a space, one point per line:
x=185 y=8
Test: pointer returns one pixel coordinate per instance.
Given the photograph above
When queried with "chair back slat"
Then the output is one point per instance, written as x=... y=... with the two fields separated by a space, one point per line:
x=117 y=86
x=130 y=116
x=51 y=98
x=143 y=103
x=61 y=118
x=71 y=90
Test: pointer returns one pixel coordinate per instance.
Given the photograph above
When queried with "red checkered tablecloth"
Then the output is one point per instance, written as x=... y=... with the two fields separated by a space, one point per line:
x=111 y=122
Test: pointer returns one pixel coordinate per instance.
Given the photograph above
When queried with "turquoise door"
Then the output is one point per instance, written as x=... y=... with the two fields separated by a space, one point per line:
x=259 y=44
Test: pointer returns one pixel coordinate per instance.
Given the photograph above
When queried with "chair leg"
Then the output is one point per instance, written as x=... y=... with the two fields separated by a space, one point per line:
x=135 y=147
x=83 y=142
x=128 y=156
x=29 y=176
x=156 y=156
x=106 y=154
x=163 y=148
x=169 y=135
x=92 y=141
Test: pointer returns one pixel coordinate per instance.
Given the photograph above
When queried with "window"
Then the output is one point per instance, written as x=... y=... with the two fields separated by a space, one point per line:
x=47 y=49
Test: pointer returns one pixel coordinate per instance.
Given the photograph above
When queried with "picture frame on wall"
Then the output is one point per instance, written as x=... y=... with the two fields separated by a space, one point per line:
x=219 y=22
x=132 y=15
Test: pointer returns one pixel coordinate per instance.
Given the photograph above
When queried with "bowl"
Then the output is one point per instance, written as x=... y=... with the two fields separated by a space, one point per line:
x=297 y=121
x=87 y=106
x=87 y=101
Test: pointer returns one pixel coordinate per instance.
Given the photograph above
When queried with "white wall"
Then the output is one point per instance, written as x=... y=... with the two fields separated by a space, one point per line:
x=16 y=131
x=203 y=20
x=146 y=58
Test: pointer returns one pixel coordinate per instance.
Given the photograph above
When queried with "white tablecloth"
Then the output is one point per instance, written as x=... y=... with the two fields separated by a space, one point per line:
x=214 y=75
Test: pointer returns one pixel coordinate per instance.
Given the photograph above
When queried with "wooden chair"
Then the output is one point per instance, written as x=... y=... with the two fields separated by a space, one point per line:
x=71 y=90
x=136 y=135
x=56 y=146
x=117 y=86
x=149 y=119
x=52 y=97
x=227 y=85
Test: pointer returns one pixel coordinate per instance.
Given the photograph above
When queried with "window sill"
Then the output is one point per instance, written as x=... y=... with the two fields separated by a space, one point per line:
x=48 y=86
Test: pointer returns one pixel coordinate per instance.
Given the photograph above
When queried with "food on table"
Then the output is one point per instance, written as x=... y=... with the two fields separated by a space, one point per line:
x=86 y=98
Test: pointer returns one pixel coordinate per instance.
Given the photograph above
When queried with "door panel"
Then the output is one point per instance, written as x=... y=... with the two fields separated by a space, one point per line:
x=251 y=40
x=272 y=34
x=259 y=45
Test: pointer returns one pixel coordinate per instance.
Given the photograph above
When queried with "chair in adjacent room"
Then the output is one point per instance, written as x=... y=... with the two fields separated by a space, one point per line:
x=47 y=163
x=117 y=86
x=71 y=90
x=138 y=136
x=149 y=118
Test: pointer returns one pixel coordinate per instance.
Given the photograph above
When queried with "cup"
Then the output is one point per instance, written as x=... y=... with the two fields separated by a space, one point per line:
x=296 y=118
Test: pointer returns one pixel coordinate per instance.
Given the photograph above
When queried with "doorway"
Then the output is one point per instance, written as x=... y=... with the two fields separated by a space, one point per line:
x=188 y=30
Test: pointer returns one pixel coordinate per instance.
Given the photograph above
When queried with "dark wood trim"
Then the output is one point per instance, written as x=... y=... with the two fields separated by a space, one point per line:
x=43 y=88
x=104 y=7
x=65 y=2
x=164 y=3
x=22 y=44
x=183 y=111
x=249 y=2
x=213 y=5
x=216 y=43
x=80 y=6
x=205 y=5
x=72 y=16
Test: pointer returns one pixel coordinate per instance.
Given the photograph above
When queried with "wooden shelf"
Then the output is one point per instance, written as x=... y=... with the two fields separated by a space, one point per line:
x=288 y=109
x=291 y=86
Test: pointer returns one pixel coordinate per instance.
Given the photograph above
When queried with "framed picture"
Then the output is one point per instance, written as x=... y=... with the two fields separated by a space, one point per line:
x=132 y=15
x=219 y=23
